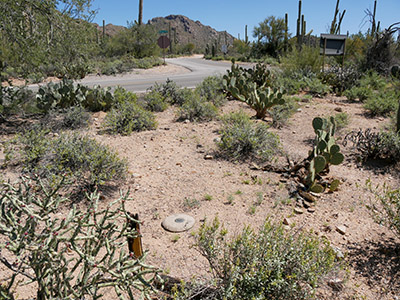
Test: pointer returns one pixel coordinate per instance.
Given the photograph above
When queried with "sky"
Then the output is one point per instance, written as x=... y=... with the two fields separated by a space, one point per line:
x=234 y=15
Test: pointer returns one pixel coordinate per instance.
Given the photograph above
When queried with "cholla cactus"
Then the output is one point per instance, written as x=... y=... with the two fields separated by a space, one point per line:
x=68 y=256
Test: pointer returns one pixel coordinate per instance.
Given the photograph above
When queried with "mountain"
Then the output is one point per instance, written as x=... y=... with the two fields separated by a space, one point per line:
x=110 y=29
x=189 y=31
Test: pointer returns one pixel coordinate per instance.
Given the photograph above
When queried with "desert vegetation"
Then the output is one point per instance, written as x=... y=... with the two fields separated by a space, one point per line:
x=292 y=172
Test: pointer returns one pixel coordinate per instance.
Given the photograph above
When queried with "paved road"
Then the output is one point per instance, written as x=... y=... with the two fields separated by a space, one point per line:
x=198 y=70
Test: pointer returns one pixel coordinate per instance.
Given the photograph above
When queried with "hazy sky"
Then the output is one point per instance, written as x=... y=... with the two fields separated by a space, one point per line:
x=233 y=15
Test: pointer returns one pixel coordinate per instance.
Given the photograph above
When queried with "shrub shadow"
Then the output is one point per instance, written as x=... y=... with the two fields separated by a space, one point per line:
x=378 y=262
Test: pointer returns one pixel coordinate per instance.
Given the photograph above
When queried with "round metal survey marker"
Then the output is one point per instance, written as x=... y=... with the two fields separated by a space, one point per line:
x=178 y=223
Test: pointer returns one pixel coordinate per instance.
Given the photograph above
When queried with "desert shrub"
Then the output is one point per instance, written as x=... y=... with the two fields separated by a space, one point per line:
x=243 y=139
x=382 y=103
x=366 y=86
x=341 y=79
x=68 y=256
x=375 y=145
x=211 y=89
x=308 y=58
x=127 y=117
x=153 y=101
x=267 y=264
x=387 y=210
x=169 y=91
x=76 y=117
x=85 y=159
x=301 y=80
x=280 y=114
x=361 y=93
x=121 y=96
x=195 y=108
x=77 y=157
x=27 y=148
x=342 y=120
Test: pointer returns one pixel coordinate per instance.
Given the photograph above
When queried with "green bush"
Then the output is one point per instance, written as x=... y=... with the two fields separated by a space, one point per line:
x=211 y=89
x=243 y=139
x=361 y=93
x=169 y=91
x=341 y=79
x=382 y=104
x=127 y=117
x=75 y=118
x=153 y=101
x=387 y=210
x=268 y=264
x=301 y=80
x=74 y=255
x=85 y=159
x=121 y=96
x=80 y=158
x=308 y=58
x=342 y=120
x=196 y=109
x=280 y=114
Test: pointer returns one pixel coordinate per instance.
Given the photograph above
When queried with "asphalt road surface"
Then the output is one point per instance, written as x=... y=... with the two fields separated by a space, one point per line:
x=199 y=69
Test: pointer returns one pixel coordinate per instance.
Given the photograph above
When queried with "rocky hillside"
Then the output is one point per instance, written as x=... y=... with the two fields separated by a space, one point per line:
x=189 y=31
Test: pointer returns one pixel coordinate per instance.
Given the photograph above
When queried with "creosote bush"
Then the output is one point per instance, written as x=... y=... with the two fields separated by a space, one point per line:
x=211 y=89
x=267 y=264
x=243 y=139
x=68 y=256
x=197 y=109
x=128 y=117
x=78 y=157
x=153 y=101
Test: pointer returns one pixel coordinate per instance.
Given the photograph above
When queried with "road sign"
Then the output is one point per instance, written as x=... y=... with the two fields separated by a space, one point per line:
x=163 y=31
x=163 y=42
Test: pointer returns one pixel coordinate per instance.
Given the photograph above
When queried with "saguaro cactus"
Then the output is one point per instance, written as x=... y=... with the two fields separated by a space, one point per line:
x=140 y=21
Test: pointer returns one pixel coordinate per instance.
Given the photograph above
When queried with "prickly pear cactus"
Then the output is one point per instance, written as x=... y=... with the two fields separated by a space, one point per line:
x=325 y=153
x=252 y=86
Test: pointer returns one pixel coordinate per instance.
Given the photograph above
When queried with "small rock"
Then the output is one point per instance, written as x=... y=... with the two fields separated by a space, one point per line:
x=208 y=157
x=254 y=166
x=294 y=132
x=307 y=106
x=298 y=210
x=311 y=209
x=199 y=146
x=299 y=110
x=186 y=121
x=286 y=221
x=341 y=229
x=167 y=128
x=307 y=196
x=338 y=109
x=336 y=284
x=135 y=175
x=326 y=228
x=338 y=252
x=179 y=164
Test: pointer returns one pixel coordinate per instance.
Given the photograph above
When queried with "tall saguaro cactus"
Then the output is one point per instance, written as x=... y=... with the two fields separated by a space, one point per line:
x=335 y=26
x=140 y=21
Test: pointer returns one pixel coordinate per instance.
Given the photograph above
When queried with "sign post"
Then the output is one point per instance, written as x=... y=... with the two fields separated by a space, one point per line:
x=332 y=45
x=163 y=42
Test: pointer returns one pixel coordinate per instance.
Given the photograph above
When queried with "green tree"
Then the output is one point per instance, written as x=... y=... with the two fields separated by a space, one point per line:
x=38 y=34
x=270 y=35
x=138 y=40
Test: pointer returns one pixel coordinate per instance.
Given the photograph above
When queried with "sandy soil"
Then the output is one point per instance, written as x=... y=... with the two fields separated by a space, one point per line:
x=169 y=174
